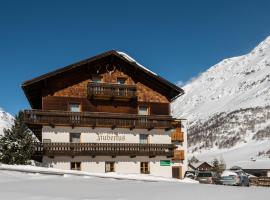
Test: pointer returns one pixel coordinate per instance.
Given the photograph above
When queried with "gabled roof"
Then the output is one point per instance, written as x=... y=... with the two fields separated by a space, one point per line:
x=36 y=84
x=198 y=164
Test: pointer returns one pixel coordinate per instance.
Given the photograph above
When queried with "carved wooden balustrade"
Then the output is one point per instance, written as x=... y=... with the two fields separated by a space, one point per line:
x=91 y=119
x=111 y=91
x=179 y=155
x=104 y=149
x=177 y=135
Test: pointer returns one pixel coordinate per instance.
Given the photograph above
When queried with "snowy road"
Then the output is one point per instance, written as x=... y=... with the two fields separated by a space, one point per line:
x=16 y=185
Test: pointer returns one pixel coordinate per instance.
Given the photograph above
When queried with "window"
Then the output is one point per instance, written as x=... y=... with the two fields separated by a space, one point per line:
x=121 y=80
x=143 y=110
x=75 y=107
x=143 y=139
x=47 y=140
x=75 y=137
x=145 y=168
x=96 y=79
x=109 y=167
x=75 y=166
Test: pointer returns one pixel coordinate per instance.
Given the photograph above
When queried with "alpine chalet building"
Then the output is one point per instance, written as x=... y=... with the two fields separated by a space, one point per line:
x=107 y=113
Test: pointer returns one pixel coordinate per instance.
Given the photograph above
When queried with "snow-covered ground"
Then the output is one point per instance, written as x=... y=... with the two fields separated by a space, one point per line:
x=24 y=186
x=244 y=155
x=60 y=172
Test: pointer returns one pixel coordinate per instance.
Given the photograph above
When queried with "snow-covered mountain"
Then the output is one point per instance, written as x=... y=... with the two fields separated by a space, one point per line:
x=228 y=106
x=6 y=120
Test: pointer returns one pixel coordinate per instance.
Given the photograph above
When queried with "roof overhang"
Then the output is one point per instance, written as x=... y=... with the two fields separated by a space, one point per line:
x=33 y=88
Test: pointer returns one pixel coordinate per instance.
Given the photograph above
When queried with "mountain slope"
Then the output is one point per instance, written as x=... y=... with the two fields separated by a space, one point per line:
x=228 y=106
x=6 y=120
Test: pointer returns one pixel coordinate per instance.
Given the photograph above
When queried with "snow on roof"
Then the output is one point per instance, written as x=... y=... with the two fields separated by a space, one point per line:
x=196 y=165
x=130 y=59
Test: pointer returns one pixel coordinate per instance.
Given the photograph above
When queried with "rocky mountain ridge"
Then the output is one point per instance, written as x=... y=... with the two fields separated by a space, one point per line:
x=228 y=106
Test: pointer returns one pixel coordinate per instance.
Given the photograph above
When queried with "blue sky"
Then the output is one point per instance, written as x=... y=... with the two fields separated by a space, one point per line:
x=176 y=39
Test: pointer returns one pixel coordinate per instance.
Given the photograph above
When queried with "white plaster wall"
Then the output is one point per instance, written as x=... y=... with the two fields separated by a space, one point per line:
x=123 y=164
x=95 y=167
x=157 y=170
x=61 y=134
x=160 y=139
x=55 y=135
x=56 y=163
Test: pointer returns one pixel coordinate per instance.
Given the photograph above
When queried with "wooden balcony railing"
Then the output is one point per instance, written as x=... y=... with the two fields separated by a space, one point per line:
x=111 y=91
x=90 y=119
x=177 y=135
x=179 y=155
x=104 y=149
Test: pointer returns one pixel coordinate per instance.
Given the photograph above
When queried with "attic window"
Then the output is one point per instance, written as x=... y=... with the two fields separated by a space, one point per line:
x=121 y=81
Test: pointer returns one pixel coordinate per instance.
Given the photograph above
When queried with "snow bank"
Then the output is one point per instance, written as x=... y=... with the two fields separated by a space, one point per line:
x=53 y=171
x=26 y=186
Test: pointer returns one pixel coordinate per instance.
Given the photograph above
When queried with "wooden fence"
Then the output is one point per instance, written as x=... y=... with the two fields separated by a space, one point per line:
x=260 y=181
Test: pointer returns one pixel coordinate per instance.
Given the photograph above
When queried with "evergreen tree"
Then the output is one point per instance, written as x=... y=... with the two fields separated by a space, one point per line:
x=17 y=143
x=215 y=164
x=193 y=160
x=219 y=165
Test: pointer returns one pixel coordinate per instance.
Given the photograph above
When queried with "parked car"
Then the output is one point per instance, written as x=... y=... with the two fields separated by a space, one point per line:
x=234 y=177
x=207 y=177
x=190 y=174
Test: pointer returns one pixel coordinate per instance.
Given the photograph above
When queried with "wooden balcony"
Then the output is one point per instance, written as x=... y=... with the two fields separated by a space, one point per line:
x=104 y=149
x=111 y=91
x=177 y=135
x=91 y=119
x=178 y=155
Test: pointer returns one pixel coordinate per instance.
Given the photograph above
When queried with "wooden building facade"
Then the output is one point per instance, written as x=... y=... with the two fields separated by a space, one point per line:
x=107 y=113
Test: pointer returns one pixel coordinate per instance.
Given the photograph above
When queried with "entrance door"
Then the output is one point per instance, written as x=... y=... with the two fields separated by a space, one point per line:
x=177 y=172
